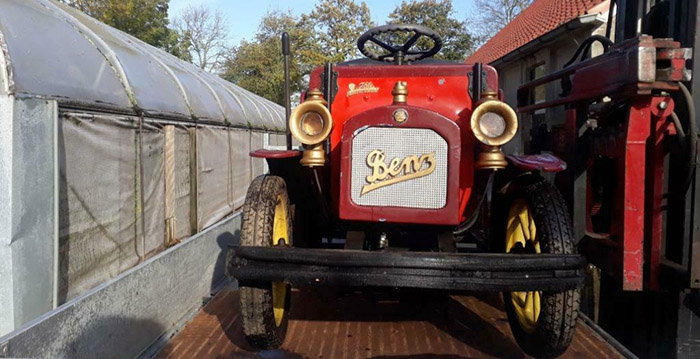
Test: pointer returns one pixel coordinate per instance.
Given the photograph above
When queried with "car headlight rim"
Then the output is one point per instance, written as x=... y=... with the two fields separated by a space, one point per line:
x=501 y=110
x=301 y=113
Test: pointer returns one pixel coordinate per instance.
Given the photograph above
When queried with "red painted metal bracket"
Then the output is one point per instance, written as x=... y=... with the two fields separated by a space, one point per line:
x=272 y=154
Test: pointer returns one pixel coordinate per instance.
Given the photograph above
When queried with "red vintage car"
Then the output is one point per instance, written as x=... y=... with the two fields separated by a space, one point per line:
x=402 y=162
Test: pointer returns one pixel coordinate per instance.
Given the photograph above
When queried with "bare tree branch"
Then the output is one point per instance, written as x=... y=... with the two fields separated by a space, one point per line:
x=206 y=31
x=492 y=15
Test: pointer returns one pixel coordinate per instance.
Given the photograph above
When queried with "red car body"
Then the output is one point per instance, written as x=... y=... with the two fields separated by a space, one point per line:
x=438 y=99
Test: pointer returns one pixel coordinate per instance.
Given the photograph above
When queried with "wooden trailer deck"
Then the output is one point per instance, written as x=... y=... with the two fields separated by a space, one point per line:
x=332 y=324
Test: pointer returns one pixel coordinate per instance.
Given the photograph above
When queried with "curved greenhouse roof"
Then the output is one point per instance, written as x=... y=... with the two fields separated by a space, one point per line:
x=51 y=50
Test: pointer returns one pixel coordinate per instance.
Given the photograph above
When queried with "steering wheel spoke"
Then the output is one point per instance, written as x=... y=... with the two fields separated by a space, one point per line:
x=383 y=44
x=402 y=53
x=412 y=41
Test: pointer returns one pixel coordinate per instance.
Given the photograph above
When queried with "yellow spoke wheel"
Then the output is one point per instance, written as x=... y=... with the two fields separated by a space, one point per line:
x=280 y=236
x=521 y=237
x=266 y=222
x=533 y=219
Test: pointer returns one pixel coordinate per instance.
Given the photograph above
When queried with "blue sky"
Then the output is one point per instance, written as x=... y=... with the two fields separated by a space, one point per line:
x=244 y=15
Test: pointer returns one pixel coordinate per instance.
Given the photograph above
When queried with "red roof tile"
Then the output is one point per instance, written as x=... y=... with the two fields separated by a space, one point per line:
x=541 y=17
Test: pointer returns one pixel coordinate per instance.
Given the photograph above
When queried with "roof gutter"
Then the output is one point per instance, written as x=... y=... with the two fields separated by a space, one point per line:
x=552 y=36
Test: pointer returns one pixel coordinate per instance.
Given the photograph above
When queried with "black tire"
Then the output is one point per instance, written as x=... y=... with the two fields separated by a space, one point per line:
x=556 y=323
x=256 y=299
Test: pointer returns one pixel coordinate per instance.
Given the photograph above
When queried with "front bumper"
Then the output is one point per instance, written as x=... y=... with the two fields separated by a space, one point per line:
x=446 y=271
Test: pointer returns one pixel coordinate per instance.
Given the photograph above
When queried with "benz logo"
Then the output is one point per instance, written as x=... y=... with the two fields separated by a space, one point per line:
x=398 y=170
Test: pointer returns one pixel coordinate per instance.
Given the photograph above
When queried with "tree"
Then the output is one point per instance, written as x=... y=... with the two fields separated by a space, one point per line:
x=205 y=33
x=334 y=27
x=144 y=19
x=257 y=65
x=439 y=16
x=492 y=15
x=178 y=44
x=326 y=34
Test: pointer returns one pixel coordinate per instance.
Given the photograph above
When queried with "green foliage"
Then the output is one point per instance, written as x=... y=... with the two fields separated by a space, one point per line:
x=178 y=44
x=328 y=34
x=257 y=65
x=334 y=26
x=144 y=19
x=437 y=15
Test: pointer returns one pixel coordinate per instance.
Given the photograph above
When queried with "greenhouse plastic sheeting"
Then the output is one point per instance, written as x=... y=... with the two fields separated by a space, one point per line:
x=214 y=182
x=278 y=140
x=153 y=190
x=103 y=217
x=97 y=214
x=240 y=165
x=120 y=201
x=33 y=34
x=225 y=170
x=96 y=66
x=258 y=164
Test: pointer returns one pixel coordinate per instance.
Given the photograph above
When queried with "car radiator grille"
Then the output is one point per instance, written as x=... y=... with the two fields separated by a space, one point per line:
x=424 y=192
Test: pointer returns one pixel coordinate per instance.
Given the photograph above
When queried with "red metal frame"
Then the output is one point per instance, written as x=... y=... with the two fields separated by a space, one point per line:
x=639 y=215
x=638 y=130
x=417 y=118
x=629 y=73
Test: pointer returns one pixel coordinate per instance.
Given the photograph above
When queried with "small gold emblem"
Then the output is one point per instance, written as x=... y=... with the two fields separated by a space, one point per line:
x=400 y=115
x=397 y=170
x=363 y=87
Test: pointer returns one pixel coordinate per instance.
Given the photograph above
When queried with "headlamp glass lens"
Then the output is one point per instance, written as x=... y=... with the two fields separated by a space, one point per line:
x=492 y=124
x=311 y=123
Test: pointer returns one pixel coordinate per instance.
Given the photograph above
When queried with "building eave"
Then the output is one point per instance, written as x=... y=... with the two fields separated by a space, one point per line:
x=587 y=20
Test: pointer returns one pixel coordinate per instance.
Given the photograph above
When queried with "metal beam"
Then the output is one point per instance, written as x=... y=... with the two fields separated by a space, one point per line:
x=28 y=217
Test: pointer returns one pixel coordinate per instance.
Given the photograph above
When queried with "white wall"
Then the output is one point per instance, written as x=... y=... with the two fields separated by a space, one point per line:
x=554 y=55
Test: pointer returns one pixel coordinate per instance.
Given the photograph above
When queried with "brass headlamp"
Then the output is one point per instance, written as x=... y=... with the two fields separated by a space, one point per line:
x=494 y=123
x=311 y=123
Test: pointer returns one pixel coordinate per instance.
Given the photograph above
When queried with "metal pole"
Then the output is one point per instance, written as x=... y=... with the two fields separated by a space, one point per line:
x=476 y=82
x=328 y=94
x=287 y=104
x=56 y=209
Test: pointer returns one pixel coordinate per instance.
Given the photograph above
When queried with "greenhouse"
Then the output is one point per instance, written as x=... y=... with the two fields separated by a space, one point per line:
x=110 y=151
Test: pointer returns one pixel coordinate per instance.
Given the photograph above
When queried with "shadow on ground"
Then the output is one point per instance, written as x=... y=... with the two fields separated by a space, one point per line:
x=399 y=310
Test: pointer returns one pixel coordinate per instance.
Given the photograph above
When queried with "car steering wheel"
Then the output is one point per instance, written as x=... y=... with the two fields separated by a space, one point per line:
x=399 y=54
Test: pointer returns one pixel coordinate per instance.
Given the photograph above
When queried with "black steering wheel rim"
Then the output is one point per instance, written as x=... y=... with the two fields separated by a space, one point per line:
x=399 y=54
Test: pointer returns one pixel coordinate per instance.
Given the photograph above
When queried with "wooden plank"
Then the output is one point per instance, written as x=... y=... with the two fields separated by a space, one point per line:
x=169 y=177
x=331 y=323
